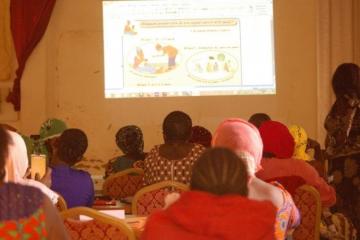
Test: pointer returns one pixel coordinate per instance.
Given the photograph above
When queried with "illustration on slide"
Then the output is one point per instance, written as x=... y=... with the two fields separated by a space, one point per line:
x=212 y=66
x=153 y=59
x=129 y=28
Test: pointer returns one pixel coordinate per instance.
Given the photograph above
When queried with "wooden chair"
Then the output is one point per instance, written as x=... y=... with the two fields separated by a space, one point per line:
x=101 y=226
x=123 y=184
x=152 y=197
x=61 y=205
x=307 y=199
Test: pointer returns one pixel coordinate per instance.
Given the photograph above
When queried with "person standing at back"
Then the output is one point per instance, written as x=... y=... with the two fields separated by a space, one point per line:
x=343 y=141
x=173 y=160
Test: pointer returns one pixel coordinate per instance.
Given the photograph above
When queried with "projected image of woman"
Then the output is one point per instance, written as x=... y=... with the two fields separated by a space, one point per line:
x=171 y=52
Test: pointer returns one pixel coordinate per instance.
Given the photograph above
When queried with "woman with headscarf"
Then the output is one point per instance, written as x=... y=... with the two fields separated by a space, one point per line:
x=343 y=141
x=216 y=207
x=244 y=139
x=17 y=164
x=130 y=141
x=25 y=212
x=201 y=135
x=278 y=162
x=174 y=159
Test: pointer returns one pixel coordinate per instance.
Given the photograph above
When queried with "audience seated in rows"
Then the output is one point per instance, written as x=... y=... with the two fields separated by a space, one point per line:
x=74 y=185
x=217 y=207
x=244 y=139
x=130 y=141
x=279 y=148
x=174 y=159
x=25 y=212
x=17 y=165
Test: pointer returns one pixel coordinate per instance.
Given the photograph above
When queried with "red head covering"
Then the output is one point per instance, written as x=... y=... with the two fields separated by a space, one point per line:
x=201 y=136
x=277 y=139
x=240 y=136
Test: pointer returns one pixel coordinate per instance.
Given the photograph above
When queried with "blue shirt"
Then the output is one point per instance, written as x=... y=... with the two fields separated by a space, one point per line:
x=75 y=186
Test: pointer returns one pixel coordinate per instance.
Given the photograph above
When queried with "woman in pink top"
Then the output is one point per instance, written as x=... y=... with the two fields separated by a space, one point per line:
x=244 y=139
x=279 y=147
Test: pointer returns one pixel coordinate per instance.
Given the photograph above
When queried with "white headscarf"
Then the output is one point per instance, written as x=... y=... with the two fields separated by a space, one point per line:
x=17 y=163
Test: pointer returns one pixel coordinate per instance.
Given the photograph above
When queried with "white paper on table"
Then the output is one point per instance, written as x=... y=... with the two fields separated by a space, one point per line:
x=120 y=214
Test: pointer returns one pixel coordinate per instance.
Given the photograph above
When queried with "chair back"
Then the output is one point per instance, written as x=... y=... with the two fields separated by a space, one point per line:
x=123 y=184
x=101 y=226
x=61 y=205
x=152 y=197
x=307 y=199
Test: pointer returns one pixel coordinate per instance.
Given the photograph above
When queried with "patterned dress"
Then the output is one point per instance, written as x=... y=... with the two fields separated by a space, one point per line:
x=158 y=168
x=288 y=216
x=21 y=213
x=343 y=150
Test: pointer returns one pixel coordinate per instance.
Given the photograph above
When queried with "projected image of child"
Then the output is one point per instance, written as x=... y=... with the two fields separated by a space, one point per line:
x=171 y=52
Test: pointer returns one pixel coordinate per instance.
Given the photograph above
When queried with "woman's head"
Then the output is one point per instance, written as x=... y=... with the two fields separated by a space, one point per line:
x=220 y=171
x=258 y=118
x=277 y=139
x=130 y=139
x=346 y=80
x=177 y=127
x=301 y=139
x=4 y=143
x=71 y=146
x=201 y=135
x=240 y=136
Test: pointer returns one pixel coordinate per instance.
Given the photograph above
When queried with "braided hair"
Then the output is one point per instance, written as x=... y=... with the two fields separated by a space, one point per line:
x=72 y=144
x=220 y=171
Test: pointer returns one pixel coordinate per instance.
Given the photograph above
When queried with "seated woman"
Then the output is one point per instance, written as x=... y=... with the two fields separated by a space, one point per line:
x=279 y=145
x=130 y=141
x=201 y=135
x=74 y=185
x=243 y=138
x=217 y=207
x=174 y=159
x=25 y=212
x=17 y=164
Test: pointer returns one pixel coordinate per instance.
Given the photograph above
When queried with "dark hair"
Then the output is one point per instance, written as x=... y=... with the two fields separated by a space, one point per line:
x=346 y=79
x=130 y=139
x=177 y=126
x=220 y=171
x=71 y=145
x=4 y=144
x=258 y=118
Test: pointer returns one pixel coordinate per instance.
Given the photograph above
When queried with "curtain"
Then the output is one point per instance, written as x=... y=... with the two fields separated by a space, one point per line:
x=8 y=63
x=29 y=19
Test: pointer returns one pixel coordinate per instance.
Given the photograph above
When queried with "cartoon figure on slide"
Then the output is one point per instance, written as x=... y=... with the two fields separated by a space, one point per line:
x=171 y=52
x=129 y=28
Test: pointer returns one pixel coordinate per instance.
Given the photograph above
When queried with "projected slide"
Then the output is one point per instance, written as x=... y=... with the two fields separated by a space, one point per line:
x=188 y=48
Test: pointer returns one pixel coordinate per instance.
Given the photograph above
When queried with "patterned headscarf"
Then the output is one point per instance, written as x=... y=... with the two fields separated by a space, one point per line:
x=300 y=137
x=130 y=139
x=201 y=136
x=52 y=128
x=277 y=139
x=241 y=137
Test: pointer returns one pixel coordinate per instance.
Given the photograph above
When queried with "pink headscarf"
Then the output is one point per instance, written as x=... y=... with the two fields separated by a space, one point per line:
x=277 y=139
x=17 y=163
x=240 y=136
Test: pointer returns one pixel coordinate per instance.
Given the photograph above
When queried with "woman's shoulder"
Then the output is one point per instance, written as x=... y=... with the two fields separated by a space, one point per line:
x=19 y=201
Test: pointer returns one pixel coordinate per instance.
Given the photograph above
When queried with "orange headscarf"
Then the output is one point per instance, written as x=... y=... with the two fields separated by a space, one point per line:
x=240 y=136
